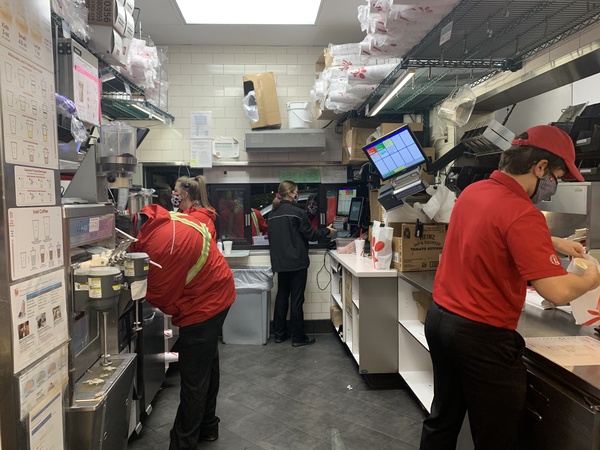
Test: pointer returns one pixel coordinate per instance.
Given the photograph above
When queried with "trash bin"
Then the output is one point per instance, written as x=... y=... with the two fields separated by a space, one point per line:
x=248 y=319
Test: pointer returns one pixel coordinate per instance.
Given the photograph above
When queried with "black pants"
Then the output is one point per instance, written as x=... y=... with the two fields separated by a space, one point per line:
x=476 y=368
x=290 y=287
x=199 y=372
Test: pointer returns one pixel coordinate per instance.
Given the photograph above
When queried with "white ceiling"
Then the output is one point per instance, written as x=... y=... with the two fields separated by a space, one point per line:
x=337 y=23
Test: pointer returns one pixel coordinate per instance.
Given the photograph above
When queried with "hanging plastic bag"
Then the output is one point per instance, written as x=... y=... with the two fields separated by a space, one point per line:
x=250 y=107
x=440 y=205
x=456 y=109
x=586 y=310
x=381 y=246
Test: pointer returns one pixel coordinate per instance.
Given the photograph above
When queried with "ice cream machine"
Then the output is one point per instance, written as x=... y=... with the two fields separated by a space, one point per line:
x=106 y=283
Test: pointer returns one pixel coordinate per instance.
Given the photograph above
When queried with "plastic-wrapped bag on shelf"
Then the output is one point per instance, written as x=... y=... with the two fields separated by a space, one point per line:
x=142 y=64
x=369 y=74
x=67 y=107
x=250 y=107
x=75 y=14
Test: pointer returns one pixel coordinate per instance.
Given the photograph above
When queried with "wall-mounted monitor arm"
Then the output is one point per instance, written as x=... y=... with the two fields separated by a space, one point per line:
x=447 y=158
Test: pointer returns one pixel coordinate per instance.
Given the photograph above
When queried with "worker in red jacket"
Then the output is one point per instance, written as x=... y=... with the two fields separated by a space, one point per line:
x=191 y=197
x=195 y=286
x=259 y=224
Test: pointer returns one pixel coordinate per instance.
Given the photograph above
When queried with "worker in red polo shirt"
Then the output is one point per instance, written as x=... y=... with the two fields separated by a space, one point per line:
x=497 y=241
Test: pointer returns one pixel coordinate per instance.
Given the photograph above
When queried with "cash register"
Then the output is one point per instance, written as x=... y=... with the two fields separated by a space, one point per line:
x=398 y=158
x=340 y=221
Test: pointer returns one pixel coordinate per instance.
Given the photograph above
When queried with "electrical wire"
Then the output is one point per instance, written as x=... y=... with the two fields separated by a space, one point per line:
x=324 y=267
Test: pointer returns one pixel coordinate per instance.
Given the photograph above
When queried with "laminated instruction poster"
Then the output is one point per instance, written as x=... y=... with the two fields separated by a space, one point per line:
x=27 y=30
x=28 y=112
x=43 y=380
x=39 y=318
x=35 y=236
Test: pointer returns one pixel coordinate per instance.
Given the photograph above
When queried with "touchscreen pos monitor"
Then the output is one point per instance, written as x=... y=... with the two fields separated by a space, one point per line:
x=355 y=216
x=397 y=157
x=396 y=153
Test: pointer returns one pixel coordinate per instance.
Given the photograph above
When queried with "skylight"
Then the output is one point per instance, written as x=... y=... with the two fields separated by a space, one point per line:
x=250 y=12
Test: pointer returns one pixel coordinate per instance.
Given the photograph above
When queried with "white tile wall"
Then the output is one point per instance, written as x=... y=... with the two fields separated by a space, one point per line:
x=209 y=78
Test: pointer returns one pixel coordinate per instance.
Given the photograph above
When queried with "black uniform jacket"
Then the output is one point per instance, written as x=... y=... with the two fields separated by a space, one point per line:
x=289 y=234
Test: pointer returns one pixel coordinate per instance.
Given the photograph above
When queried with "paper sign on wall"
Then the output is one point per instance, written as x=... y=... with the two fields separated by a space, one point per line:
x=226 y=147
x=201 y=153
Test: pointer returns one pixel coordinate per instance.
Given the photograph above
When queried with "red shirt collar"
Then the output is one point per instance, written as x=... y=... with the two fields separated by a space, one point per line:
x=509 y=182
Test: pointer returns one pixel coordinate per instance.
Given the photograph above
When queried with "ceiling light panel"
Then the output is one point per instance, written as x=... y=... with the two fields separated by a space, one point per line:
x=250 y=12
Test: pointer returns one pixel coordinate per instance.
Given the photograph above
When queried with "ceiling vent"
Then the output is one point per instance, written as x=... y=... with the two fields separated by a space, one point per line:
x=285 y=140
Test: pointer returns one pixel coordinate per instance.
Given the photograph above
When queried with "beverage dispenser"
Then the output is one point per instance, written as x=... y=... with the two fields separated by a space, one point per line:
x=135 y=268
x=115 y=153
x=104 y=285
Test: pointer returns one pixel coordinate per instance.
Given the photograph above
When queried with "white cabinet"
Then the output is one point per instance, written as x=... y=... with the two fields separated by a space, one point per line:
x=414 y=363
x=368 y=300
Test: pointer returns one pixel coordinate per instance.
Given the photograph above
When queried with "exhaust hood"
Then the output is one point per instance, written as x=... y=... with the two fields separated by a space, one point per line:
x=285 y=140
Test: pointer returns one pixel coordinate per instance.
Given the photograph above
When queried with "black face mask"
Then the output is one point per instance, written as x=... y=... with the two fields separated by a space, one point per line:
x=545 y=188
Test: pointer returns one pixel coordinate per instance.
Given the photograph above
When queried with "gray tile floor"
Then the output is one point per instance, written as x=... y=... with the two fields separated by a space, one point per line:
x=279 y=397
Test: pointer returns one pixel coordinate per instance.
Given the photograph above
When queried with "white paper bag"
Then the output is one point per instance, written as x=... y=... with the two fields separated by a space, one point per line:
x=381 y=246
x=585 y=308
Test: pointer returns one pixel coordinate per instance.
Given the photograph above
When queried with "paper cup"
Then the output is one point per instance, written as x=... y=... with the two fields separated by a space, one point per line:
x=360 y=247
x=227 y=247
x=583 y=263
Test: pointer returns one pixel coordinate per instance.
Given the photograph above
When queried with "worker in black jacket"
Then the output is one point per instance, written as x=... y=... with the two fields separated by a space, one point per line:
x=289 y=234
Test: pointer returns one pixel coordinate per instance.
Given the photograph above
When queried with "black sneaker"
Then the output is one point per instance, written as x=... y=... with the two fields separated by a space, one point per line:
x=209 y=437
x=306 y=341
x=280 y=339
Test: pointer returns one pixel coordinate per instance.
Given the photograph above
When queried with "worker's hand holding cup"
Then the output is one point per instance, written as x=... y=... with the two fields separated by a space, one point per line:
x=588 y=269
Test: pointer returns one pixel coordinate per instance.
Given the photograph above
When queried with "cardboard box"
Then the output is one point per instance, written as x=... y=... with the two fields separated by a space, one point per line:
x=414 y=254
x=107 y=13
x=129 y=5
x=335 y=313
x=348 y=293
x=324 y=61
x=375 y=207
x=326 y=114
x=355 y=139
x=423 y=302
x=388 y=127
x=109 y=43
x=430 y=153
x=129 y=26
x=358 y=123
x=263 y=84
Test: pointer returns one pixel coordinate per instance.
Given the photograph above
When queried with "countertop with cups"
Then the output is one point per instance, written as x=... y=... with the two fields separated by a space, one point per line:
x=360 y=266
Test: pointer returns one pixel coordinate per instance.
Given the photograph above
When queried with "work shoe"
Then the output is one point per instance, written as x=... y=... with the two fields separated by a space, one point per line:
x=209 y=437
x=307 y=341
x=280 y=339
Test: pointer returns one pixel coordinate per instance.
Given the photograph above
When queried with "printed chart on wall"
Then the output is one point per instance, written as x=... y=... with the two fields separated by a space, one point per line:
x=39 y=317
x=35 y=236
x=28 y=112
x=26 y=29
x=34 y=186
x=46 y=425
x=87 y=90
x=43 y=380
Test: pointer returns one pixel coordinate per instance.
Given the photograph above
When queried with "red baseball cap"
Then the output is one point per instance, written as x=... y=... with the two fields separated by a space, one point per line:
x=555 y=141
